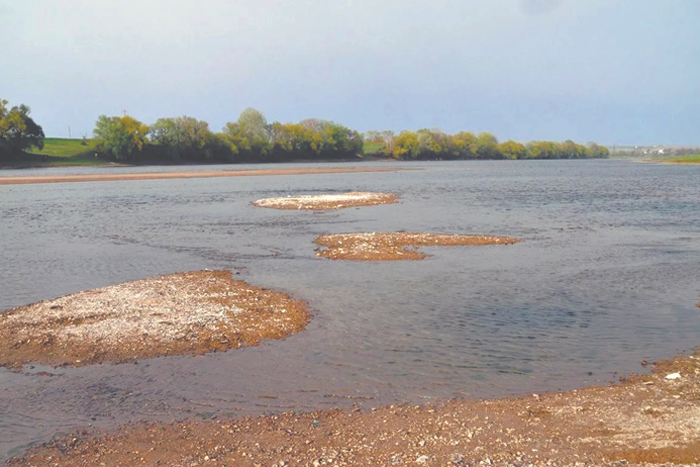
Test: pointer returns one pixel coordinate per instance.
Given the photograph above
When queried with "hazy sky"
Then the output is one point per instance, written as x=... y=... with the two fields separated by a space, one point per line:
x=613 y=71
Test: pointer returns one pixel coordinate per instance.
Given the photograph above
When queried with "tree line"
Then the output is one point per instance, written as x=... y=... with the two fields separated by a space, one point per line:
x=434 y=144
x=252 y=139
x=249 y=139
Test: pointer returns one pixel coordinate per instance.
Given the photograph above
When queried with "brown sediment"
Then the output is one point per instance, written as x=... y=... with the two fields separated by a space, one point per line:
x=392 y=246
x=329 y=201
x=193 y=174
x=192 y=312
x=647 y=419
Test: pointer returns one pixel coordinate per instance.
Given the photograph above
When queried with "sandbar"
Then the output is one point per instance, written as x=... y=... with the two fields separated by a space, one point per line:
x=395 y=246
x=193 y=174
x=184 y=313
x=327 y=201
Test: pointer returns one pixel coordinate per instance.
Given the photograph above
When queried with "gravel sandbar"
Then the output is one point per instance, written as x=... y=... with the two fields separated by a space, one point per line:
x=646 y=420
x=192 y=312
x=393 y=246
x=326 y=202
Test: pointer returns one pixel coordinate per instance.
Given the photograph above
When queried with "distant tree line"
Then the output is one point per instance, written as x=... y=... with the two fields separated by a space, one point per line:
x=252 y=139
x=434 y=144
x=249 y=139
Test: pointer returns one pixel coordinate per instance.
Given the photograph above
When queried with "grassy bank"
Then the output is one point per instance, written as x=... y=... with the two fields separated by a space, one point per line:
x=58 y=152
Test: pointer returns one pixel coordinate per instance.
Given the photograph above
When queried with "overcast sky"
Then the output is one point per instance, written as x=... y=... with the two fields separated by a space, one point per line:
x=612 y=71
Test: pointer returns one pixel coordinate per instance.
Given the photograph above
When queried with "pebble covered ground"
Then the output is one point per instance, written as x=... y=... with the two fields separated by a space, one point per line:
x=395 y=246
x=327 y=202
x=191 y=312
x=644 y=420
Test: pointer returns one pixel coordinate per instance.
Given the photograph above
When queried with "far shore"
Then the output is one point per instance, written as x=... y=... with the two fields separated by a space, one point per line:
x=194 y=174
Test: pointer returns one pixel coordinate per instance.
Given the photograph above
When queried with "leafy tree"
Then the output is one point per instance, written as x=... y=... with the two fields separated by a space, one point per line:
x=487 y=146
x=123 y=137
x=406 y=146
x=185 y=138
x=597 y=152
x=249 y=136
x=465 y=145
x=512 y=150
x=18 y=131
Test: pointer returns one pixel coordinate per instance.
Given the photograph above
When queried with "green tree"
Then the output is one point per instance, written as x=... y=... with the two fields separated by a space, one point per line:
x=18 y=131
x=406 y=146
x=249 y=135
x=185 y=138
x=512 y=150
x=487 y=146
x=123 y=137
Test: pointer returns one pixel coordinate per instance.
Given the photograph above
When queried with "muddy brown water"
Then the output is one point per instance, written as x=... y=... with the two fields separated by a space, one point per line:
x=606 y=276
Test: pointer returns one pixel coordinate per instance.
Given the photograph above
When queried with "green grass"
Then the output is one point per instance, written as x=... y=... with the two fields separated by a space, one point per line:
x=58 y=152
x=64 y=147
x=372 y=148
x=684 y=159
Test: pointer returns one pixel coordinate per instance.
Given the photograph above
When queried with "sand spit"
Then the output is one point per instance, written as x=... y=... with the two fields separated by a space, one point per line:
x=325 y=202
x=193 y=312
x=652 y=419
x=193 y=174
x=393 y=246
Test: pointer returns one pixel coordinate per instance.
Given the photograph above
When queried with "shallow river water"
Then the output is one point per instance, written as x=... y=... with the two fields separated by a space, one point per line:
x=607 y=275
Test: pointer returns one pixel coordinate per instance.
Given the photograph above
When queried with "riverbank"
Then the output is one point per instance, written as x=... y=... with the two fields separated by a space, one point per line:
x=193 y=312
x=193 y=174
x=644 y=419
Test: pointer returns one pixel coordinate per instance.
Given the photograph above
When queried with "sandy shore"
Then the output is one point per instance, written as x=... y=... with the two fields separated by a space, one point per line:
x=395 y=246
x=652 y=419
x=329 y=201
x=193 y=174
x=194 y=312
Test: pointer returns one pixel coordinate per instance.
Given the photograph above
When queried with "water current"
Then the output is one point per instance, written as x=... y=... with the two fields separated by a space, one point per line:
x=607 y=275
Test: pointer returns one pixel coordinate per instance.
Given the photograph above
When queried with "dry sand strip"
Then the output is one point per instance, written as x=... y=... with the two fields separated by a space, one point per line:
x=326 y=202
x=395 y=246
x=193 y=174
x=192 y=312
x=646 y=420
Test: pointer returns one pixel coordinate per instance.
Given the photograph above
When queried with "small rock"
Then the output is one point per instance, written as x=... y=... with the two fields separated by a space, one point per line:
x=673 y=376
x=422 y=459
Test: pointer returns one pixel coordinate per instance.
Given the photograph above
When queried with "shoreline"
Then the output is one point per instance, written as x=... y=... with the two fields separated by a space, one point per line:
x=645 y=420
x=194 y=174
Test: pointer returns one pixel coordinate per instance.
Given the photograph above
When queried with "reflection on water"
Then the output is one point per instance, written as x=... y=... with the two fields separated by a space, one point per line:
x=606 y=276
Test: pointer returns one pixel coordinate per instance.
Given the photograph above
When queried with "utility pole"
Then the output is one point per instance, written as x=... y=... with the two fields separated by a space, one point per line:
x=124 y=112
x=69 y=132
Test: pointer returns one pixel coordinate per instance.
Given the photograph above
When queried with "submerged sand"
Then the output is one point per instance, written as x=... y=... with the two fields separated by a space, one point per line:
x=193 y=312
x=194 y=174
x=327 y=201
x=395 y=246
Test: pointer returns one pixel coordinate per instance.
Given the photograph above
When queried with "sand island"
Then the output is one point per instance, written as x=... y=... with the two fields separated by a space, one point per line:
x=328 y=201
x=185 y=313
x=395 y=246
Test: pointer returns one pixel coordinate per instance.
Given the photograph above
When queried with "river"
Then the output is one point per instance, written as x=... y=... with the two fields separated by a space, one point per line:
x=607 y=275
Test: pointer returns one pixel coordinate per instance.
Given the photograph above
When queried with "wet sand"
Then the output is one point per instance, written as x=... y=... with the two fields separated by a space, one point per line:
x=193 y=174
x=650 y=419
x=395 y=246
x=194 y=312
x=327 y=202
